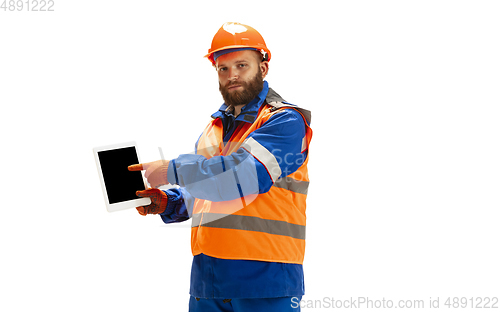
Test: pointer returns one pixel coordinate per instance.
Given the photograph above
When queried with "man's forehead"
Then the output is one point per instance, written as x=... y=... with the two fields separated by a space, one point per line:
x=238 y=56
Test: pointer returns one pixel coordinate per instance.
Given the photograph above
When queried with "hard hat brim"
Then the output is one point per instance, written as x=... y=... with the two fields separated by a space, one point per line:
x=210 y=55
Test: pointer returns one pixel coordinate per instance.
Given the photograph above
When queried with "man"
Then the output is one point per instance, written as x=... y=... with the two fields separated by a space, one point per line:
x=244 y=189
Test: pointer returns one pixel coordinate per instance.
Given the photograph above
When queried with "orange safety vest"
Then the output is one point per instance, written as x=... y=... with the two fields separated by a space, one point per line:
x=266 y=227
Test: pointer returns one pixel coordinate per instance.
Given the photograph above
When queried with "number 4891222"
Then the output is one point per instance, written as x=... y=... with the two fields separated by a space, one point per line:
x=27 y=5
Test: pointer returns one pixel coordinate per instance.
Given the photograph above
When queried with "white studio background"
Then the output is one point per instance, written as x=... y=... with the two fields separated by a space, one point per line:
x=404 y=165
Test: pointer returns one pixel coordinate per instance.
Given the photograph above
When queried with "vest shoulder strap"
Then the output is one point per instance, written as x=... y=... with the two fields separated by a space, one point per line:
x=276 y=101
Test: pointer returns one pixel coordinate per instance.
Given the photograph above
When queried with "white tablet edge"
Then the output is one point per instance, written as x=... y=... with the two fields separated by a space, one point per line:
x=126 y=204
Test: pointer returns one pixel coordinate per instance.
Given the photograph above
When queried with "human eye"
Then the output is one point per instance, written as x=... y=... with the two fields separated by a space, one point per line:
x=222 y=69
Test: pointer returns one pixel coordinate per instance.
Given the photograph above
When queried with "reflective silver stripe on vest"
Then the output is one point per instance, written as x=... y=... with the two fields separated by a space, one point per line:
x=246 y=223
x=293 y=185
x=264 y=156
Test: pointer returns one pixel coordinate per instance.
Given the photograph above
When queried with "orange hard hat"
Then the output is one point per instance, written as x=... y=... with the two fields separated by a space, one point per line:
x=237 y=36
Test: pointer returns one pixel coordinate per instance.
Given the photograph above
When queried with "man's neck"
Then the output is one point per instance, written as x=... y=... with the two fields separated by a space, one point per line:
x=237 y=110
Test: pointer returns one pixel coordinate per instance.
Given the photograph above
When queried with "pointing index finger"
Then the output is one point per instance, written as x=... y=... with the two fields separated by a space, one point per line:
x=137 y=167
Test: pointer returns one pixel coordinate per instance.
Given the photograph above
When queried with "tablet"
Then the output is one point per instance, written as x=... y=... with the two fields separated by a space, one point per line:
x=118 y=184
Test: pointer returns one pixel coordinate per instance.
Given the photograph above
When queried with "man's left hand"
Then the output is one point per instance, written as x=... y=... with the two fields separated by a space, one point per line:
x=156 y=172
x=159 y=201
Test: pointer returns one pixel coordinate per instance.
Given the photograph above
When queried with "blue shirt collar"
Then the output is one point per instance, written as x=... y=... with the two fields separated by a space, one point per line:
x=249 y=111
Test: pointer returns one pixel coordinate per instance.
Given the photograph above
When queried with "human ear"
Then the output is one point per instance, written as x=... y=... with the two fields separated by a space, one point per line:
x=264 y=67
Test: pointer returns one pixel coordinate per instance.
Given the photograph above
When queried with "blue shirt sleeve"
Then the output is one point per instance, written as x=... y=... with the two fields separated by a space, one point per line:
x=223 y=178
x=179 y=206
x=282 y=135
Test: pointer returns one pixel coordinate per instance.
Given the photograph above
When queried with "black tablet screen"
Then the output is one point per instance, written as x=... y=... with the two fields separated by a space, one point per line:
x=121 y=184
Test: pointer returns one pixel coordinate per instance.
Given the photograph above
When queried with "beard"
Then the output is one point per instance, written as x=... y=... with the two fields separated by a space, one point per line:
x=249 y=90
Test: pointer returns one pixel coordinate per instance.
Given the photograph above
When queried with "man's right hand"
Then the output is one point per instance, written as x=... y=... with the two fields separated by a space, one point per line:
x=158 y=204
x=156 y=172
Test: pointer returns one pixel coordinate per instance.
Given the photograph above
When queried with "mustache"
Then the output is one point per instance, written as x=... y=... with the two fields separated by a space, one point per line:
x=232 y=83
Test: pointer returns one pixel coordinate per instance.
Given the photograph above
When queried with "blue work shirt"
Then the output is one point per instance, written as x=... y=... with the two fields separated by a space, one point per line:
x=222 y=278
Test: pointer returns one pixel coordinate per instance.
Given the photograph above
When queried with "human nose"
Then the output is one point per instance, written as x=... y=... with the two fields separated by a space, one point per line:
x=232 y=75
